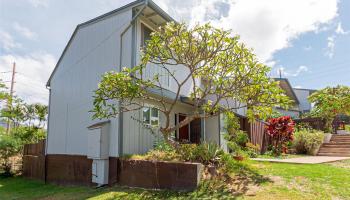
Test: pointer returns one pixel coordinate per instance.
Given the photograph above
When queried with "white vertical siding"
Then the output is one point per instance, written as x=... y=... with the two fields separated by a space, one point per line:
x=136 y=138
x=167 y=82
x=212 y=130
x=94 y=50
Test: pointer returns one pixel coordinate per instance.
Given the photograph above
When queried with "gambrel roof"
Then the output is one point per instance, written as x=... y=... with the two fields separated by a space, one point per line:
x=154 y=11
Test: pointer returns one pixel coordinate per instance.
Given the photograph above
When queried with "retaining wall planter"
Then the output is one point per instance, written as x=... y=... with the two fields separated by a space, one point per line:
x=159 y=174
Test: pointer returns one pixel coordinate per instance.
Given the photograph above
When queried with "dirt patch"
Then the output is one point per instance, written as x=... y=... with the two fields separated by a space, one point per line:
x=341 y=164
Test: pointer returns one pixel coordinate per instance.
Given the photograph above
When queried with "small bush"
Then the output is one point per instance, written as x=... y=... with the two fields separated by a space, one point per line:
x=9 y=146
x=252 y=150
x=313 y=141
x=208 y=153
x=281 y=131
x=162 y=155
x=187 y=152
x=299 y=141
x=308 y=141
x=347 y=127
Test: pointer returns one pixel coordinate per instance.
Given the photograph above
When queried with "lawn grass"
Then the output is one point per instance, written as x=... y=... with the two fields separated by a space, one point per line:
x=305 y=181
x=287 y=181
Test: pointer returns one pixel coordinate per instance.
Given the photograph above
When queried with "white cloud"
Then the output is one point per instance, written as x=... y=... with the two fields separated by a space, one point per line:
x=24 y=31
x=296 y=73
x=39 y=3
x=340 y=30
x=330 y=46
x=33 y=71
x=265 y=25
x=7 y=42
x=331 y=40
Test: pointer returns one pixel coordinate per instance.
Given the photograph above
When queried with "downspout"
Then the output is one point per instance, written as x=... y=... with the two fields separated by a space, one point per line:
x=48 y=119
x=120 y=149
x=47 y=134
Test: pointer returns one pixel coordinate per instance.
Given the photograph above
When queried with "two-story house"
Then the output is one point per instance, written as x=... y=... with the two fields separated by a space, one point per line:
x=75 y=141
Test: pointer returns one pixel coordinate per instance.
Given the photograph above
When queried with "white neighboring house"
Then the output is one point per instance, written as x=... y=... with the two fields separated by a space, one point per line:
x=300 y=96
x=110 y=42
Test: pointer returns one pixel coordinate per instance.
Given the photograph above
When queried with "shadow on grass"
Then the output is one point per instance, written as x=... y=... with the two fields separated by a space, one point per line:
x=241 y=180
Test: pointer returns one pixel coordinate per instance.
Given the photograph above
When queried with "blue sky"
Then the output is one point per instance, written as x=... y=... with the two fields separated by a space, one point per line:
x=309 y=40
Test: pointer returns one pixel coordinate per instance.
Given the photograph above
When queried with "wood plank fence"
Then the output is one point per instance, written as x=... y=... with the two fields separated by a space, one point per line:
x=258 y=135
x=34 y=160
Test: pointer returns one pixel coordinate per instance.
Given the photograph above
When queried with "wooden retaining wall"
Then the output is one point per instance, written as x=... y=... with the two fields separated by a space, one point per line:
x=159 y=174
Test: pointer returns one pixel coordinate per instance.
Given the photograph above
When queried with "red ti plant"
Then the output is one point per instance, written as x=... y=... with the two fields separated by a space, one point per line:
x=281 y=131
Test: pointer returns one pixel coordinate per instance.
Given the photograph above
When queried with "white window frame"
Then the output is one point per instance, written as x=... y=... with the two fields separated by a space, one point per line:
x=151 y=118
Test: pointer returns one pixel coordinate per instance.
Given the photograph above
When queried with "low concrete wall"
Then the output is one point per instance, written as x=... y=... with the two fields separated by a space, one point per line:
x=327 y=137
x=159 y=174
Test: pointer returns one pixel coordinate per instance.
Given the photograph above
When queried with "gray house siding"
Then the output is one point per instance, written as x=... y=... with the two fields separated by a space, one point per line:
x=93 y=50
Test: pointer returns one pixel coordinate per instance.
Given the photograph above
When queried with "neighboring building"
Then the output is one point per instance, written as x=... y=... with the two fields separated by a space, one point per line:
x=302 y=94
x=110 y=42
x=293 y=110
x=299 y=96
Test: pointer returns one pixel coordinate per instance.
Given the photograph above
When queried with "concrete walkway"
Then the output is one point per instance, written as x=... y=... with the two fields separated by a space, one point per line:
x=304 y=160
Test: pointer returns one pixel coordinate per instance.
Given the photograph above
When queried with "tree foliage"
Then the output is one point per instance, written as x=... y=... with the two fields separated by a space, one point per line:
x=330 y=102
x=21 y=113
x=223 y=73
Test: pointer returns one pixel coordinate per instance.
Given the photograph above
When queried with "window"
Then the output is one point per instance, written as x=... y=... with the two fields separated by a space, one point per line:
x=150 y=116
x=146 y=115
x=145 y=35
x=154 y=117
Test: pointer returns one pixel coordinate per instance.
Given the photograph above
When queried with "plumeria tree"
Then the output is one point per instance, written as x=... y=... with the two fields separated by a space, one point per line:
x=330 y=102
x=223 y=73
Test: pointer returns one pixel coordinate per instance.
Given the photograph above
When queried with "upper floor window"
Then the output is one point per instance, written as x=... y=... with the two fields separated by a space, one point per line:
x=145 y=34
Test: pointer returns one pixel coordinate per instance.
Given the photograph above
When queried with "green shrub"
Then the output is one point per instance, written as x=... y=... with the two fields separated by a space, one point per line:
x=162 y=155
x=187 y=152
x=236 y=138
x=28 y=135
x=252 y=150
x=299 y=141
x=347 y=127
x=208 y=153
x=313 y=141
x=307 y=141
x=163 y=146
x=9 y=146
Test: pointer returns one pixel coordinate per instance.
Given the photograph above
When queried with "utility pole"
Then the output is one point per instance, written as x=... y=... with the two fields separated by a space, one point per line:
x=280 y=70
x=9 y=102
